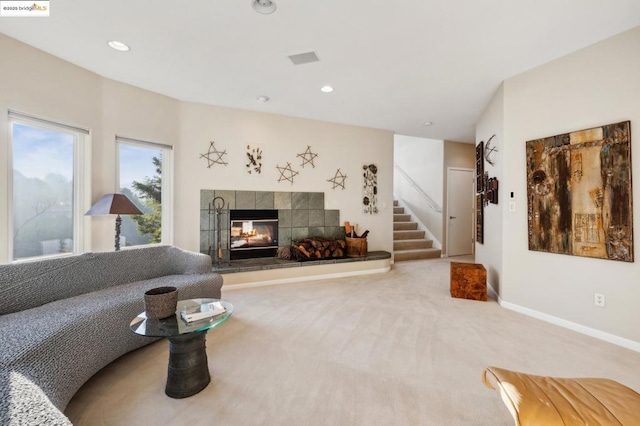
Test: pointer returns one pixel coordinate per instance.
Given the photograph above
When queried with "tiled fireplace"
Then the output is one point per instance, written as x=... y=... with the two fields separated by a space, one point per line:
x=300 y=215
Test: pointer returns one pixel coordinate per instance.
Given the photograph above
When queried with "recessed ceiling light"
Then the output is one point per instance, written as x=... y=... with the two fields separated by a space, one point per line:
x=265 y=7
x=264 y=99
x=427 y=123
x=326 y=89
x=118 y=45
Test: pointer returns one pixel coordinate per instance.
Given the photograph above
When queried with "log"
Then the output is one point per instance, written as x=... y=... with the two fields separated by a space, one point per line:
x=317 y=248
x=286 y=253
x=303 y=250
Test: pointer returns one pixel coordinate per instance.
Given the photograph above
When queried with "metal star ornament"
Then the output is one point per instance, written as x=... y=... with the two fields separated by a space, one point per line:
x=338 y=180
x=286 y=173
x=213 y=156
x=308 y=157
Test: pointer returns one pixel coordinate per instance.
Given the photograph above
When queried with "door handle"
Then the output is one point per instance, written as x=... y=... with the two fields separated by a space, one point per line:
x=452 y=217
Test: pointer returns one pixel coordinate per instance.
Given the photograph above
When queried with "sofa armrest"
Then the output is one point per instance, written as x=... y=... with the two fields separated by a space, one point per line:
x=188 y=262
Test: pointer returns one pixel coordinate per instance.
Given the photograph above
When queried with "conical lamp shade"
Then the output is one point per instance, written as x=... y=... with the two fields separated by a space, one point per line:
x=113 y=204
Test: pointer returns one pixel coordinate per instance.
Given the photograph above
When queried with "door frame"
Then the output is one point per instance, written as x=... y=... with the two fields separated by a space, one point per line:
x=473 y=214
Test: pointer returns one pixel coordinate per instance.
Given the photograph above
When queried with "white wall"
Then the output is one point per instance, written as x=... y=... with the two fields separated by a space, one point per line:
x=40 y=84
x=133 y=113
x=282 y=138
x=422 y=160
x=490 y=253
x=594 y=86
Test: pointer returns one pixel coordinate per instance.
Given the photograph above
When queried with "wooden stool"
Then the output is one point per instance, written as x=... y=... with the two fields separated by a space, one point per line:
x=550 y=401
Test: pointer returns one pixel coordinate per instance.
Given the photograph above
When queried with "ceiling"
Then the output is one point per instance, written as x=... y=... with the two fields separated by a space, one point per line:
x=394 y=65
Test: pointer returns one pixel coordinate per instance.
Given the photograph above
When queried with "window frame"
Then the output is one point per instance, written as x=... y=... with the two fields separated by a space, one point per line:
x=167 y=183
x=81 y=181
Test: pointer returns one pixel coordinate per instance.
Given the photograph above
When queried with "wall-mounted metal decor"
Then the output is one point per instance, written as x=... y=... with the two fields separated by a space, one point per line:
x=579 y=193
x=491 y=191
x=480 y=167
x=479 y=219
x=308 y=157
x=370 y=189
x=338 y=180
x=213 y=156
x=254 y=159
x=479 y=192
x=490 y=151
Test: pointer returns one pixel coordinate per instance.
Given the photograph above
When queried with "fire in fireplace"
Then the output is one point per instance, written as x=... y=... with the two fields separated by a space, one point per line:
x=254 y=233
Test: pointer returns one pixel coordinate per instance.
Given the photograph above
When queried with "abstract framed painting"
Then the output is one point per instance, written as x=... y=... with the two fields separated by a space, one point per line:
x=579 y=193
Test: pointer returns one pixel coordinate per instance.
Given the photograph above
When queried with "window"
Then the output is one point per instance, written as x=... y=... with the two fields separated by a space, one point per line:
x=48 y=189
x=144 y=176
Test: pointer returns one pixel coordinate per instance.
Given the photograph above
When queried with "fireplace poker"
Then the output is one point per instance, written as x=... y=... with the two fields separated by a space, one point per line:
x=218 y=204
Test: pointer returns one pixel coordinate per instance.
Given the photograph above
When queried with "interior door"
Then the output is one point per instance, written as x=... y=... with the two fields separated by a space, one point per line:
x=460 y=200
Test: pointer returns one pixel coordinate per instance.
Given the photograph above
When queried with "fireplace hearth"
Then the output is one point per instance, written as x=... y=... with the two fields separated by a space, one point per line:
x=253 y=234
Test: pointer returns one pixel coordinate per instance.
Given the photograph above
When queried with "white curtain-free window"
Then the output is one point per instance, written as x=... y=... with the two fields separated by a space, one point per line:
x=48 y=165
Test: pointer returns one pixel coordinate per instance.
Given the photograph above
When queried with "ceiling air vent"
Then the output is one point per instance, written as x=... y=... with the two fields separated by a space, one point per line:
x=304 y=58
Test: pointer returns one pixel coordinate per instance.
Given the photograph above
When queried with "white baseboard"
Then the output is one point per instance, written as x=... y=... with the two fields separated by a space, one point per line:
x=598 y=334
x=492 y=293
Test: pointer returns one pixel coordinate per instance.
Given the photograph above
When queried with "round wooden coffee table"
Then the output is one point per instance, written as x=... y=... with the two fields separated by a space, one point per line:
x=188 y=372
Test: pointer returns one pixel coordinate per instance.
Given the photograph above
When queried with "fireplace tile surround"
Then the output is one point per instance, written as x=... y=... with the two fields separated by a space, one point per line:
x=300 y=215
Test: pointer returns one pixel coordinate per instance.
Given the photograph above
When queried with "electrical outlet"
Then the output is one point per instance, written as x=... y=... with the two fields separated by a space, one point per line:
x=598 y=300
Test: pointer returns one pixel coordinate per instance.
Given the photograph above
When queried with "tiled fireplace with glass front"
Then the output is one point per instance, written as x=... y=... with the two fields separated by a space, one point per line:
x=257 y=224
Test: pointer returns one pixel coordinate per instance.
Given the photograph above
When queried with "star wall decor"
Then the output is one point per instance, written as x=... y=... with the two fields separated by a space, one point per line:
x=490 y=152
x=213 y=156
x=338 y=180
x=308 y=157
x=286 y=173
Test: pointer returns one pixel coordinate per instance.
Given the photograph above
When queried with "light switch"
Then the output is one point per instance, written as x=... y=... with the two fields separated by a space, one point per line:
x=512 y=206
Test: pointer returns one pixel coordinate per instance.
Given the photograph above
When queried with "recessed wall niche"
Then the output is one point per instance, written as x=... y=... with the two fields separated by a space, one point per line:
x=300 y=215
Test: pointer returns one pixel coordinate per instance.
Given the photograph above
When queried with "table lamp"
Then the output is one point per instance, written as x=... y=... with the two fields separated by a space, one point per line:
x=114 y=204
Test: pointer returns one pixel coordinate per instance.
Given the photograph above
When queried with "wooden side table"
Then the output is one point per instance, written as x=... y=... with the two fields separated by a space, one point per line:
x=468 y=281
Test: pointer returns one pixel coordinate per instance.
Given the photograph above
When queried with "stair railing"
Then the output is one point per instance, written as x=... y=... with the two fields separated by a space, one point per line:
x=430 y=202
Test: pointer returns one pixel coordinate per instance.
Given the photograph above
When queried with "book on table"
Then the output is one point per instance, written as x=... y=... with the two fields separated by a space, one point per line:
x=205 y=310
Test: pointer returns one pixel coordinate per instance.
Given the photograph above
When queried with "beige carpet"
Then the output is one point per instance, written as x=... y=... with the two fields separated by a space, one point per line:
x=386 y=349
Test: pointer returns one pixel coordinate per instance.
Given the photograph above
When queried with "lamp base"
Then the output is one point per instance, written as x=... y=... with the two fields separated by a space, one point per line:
x=118 y=226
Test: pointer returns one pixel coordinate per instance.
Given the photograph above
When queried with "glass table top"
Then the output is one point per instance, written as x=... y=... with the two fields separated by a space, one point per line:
x=175 y=325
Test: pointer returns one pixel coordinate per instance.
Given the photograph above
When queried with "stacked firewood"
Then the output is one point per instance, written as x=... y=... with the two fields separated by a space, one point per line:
x=318 y=248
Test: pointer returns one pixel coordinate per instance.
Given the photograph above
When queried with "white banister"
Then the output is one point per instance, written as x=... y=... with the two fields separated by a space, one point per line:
x=430 y=202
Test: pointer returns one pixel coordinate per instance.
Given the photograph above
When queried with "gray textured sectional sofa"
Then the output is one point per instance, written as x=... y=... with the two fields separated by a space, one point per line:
x=64 y=319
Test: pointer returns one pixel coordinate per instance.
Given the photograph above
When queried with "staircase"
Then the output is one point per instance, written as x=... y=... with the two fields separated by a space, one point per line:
x=409 y=243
